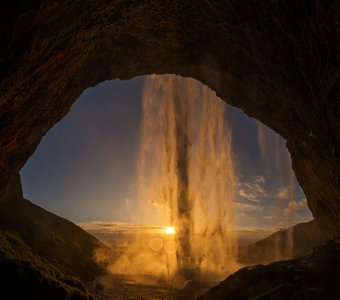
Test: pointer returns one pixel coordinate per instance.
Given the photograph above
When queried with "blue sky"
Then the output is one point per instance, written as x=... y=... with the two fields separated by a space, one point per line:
x=85 y=167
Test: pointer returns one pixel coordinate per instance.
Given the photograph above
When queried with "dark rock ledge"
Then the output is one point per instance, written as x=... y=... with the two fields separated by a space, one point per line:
x=315 y=276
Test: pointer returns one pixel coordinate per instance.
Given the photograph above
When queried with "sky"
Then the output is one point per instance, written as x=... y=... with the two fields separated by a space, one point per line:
x=84 y=169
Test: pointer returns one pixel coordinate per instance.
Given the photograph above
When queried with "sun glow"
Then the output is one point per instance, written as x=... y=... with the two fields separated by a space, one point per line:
x=170 y=230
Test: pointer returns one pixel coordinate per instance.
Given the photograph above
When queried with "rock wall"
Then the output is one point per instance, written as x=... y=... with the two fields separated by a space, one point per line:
x=276 y=60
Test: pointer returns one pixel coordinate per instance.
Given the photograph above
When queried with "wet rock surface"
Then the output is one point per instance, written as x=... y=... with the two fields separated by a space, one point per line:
x=21 y=280
x=310 y=277
x=276 y=60
x=43 y=256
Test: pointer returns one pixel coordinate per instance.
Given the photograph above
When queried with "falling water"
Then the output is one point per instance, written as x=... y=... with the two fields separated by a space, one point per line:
x=186 y=168
x=278 y=161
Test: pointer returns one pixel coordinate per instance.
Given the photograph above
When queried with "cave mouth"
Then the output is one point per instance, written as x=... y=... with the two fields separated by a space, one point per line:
x=84 y=169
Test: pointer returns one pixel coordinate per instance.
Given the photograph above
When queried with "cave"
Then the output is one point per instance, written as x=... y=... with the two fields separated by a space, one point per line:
x=276 y=61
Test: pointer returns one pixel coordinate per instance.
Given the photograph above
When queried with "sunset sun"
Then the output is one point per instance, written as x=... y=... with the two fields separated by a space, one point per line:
x=170 y=230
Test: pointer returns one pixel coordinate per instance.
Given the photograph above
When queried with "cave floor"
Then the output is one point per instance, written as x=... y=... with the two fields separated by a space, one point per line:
x=114 y=287
x=117 y=287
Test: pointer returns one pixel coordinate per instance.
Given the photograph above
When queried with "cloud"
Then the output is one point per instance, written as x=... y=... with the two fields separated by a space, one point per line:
x=253 y=190
x=242 y=215
x=303 y=203
x=295 y=205
x=96 y=227
x=269 y=217
x=292 y=205
x=246 y=207
x=282 y=193
x=260 y=179
x=248 y=195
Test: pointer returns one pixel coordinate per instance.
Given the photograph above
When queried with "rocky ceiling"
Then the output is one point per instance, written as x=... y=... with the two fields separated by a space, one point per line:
x=276 y=60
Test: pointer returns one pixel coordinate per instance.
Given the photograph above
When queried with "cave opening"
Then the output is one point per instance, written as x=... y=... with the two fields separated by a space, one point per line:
x=278 y=61
x=85 y=171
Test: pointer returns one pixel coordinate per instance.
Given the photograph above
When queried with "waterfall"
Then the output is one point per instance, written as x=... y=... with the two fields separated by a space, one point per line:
x=278 y=161
x=186 y=168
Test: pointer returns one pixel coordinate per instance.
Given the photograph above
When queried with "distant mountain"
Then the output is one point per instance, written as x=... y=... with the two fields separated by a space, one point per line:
x=43 y=254
x=282 y=245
